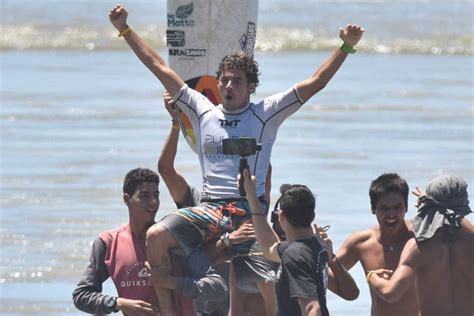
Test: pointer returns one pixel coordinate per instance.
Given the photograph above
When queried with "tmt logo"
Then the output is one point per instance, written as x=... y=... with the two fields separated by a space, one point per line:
x=226 y=123
x=180 y=18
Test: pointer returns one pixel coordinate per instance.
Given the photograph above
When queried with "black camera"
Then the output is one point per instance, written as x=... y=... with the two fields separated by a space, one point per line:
x=241 y=146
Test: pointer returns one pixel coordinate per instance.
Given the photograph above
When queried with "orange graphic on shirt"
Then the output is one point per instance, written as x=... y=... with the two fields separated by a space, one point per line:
x=207 y=85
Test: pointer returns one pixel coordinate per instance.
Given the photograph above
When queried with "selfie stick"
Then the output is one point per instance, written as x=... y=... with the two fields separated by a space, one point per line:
x=242 y=166
x=243 y=147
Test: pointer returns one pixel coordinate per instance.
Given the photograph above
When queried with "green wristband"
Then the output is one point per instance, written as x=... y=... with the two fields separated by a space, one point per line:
x=348 y=49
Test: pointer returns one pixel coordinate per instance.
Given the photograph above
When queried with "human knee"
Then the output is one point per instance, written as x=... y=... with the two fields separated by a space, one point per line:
x=155 y=234
x=266 y=288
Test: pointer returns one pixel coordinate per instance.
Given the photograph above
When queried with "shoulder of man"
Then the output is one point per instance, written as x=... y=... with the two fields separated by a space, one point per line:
x=282 y=246
x=299 y=250
x=186 y=92
x=109 y=235
x=359 y=237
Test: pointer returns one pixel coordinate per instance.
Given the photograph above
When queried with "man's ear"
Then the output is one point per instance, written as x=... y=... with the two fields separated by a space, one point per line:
x=252 y=87
x=281 y=216
x=126 y=198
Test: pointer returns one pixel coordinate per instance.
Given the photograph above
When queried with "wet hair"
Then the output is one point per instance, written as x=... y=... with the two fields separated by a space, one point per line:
x=297 y=202
x=388 y=183
x=138 y=176
x=242 y=61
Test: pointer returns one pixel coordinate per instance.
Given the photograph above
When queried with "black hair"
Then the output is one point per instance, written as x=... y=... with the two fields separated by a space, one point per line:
x=274 y=215
x=388 y=183
x=138 y=176
x=242 y=61
x=298 y=204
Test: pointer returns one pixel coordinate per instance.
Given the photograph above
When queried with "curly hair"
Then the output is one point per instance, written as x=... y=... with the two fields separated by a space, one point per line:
x=138 y=176
x=240 y=60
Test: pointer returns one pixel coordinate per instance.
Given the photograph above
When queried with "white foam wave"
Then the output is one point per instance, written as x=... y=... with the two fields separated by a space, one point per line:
x=269 y=39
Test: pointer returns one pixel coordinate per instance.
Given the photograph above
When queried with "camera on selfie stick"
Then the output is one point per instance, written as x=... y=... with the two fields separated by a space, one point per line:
x=243 y=147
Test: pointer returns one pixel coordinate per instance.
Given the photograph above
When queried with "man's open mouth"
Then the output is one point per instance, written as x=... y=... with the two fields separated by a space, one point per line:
x=391 y=222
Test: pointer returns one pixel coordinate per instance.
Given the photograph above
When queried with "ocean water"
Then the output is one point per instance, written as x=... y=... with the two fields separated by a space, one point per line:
x=78 y=110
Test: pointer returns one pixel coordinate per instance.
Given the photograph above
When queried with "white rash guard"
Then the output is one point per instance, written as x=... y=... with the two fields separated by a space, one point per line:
x=212 y=124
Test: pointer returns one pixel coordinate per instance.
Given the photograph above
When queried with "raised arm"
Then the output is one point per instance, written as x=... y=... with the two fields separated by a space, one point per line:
x=176 y=183
x=391 y=289
x=266 y=238
x=351 y=35
x=149 y=57
x=340 y=281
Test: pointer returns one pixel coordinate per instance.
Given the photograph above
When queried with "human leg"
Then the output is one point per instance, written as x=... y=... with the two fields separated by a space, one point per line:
x=267 y=291
x=175 y=233
x=254 y=278
x=242 y=302
x=158 y=243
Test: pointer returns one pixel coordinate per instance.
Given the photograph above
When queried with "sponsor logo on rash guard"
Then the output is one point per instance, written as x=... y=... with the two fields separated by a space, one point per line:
x=136 y=271
x=212 y=145
x=226 y=123
x=131 y=283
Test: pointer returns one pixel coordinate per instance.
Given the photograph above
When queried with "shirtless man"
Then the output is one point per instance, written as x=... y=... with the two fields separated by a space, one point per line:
x=381 y=245
x=439 y=258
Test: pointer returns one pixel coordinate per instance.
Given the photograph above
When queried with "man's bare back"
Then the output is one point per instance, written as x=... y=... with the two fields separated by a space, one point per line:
x=445 y=274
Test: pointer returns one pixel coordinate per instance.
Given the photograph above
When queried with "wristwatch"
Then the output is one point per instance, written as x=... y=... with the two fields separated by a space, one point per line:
x=225 y=239
x=110 y=303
